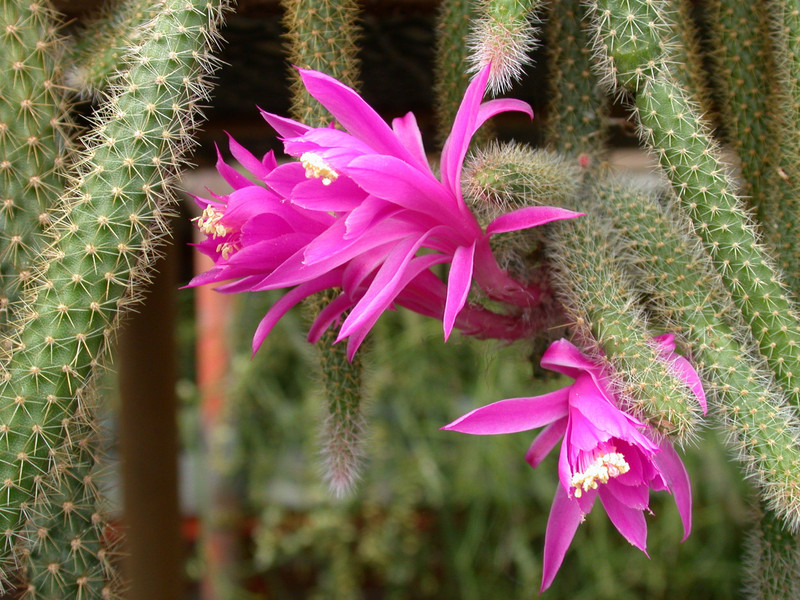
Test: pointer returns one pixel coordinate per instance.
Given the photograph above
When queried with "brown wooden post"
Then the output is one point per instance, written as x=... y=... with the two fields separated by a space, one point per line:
x=149 y=442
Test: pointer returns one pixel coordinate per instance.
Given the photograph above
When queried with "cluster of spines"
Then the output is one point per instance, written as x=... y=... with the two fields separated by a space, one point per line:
x=101 y=43
x=771 y=561
x=35 y=133
x=104 y=240
x=503 y=35
x=686 y=293
x=322 y=35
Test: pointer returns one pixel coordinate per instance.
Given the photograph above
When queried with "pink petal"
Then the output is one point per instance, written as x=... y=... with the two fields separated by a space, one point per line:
x=246 y=158
x=407 y=131
x=328 y=315
x=231 y=176
x=632 y=496
x=458 y=283
x=286 y=128
x=630 y=522
x=457 y=143
x=371 y=210
x=565 y=516
x=513 y=415
x=285 y=178
x=399 y=182
x=530 y=216
x=355 y=115
x=674 y=472
x=287 y=301
x=341 y=195
x=564 y=357
x=545 y=442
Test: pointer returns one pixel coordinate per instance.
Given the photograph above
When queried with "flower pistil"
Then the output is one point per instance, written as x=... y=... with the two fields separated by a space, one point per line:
x=317 y=168
x=604 y=467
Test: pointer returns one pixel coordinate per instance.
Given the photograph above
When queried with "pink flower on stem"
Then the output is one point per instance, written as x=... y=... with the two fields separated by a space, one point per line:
x=362 y=211
x=605 y=452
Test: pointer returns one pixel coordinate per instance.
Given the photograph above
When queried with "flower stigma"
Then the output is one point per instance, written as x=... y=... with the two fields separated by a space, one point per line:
x=604 y=467
x=317 y=168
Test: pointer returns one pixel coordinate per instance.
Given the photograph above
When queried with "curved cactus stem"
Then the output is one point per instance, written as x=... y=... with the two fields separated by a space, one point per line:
x=35 y=133
x=104 y=242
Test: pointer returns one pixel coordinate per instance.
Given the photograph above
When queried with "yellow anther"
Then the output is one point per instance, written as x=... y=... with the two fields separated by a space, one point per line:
x=209 y=222
x=317 y=168
x=605 y=467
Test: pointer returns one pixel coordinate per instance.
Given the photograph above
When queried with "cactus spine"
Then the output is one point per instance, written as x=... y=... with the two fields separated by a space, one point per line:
x=322 y=36
x=104 y=240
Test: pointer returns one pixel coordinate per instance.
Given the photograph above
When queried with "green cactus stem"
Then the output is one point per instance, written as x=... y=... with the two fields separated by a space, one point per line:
x=102 y=42
x=104 y=242
x=671 y=125
x=35 y=132
x=322 y=35
x=771 y=561
x=686 y=291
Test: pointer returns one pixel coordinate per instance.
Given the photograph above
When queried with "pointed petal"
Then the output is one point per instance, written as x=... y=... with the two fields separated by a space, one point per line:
x=457 y=143
x=564 y=357
x=355 y=115
x=545 y=442
x=231 y=176
x=629 y=522
x=632 y=496
x=246 y=158
x=513 y=415
x=674 y=472
x=328 y=315
x=565 y=516
x=530 y=216
x=459 y=281
x=286 y=128
x=341 y=195
x=399 y=182
x=407 y=131
x=287 y=301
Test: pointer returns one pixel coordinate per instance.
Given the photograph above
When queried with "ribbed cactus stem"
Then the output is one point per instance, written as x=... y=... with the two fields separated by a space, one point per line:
x=322 y=35
x=577 y=109
x=503 y=35
x=771 y=561
x=72 y=549
x=671 y=125
x=600 y=299
x=103 y=244
x=102 y=42
x=34 y=135
x=453 y=24
x=687 y=293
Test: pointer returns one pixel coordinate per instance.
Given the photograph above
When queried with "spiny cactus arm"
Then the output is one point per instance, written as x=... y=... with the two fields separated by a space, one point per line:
x=35 y=132
x=502 y=35
x=755 y=77
x=685 y=290
x=671 y=125
x=104 y=242
x=597 y=294
x=577 y=109
x=72 y=546
x=688 y=58
x=322 y=35
x=100 y=45
x=771 y=561
x=453 y=24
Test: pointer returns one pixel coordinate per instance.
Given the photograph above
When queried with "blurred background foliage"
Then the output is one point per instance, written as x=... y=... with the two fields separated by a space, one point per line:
x=436 y=514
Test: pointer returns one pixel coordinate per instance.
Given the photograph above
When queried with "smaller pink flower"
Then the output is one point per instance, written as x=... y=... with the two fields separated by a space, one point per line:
x=605 y=452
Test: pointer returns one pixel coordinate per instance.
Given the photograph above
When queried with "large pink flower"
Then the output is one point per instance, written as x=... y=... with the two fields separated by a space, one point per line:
x=605 y=452
x=362 y=211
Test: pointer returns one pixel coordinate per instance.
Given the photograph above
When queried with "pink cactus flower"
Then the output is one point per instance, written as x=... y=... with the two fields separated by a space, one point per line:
x=605 y=452
x=362 y=211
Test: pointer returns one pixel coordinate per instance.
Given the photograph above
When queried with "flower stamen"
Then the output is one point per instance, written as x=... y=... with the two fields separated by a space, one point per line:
x=317 y=168
x=605 y=467
x=209 y=222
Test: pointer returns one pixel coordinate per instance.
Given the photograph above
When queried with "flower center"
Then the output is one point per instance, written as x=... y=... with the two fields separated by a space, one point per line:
x=604 y=467
x=209 y=222
x=317 y=168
